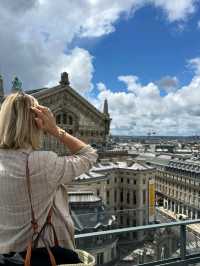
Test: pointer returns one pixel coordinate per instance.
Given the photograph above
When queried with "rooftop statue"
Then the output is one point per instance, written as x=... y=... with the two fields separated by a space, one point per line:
x=64 y=79
x=16 y=84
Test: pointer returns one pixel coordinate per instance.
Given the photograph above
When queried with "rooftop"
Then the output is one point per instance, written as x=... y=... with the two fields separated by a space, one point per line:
x=82 y=196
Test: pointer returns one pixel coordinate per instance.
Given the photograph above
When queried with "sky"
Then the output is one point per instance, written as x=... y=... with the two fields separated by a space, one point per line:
x=143 y=56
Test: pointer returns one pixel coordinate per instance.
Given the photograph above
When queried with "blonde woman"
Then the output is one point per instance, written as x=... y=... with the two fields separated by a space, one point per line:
x=22 y=124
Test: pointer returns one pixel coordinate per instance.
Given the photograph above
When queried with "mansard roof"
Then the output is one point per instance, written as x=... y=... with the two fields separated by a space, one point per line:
x=192 y=167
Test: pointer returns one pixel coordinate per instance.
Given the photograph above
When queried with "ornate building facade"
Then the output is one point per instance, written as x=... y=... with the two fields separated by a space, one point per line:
x=123 y=187
x=73 y=113
x=177 y=185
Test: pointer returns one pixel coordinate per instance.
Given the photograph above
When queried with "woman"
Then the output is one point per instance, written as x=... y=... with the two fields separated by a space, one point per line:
x=22 y=124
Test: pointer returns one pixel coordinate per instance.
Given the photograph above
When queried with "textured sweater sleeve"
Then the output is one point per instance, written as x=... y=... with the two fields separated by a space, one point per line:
x=63 y=169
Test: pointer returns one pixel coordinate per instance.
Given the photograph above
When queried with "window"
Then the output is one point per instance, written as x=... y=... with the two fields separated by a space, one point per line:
x=108 y=194
x=127 y=221
x=135 y=182
x=128 y=180
x=108 y=182
x=58 y=119
x=144 y=181
x=144 y=196
x=64 y=119
x=98 y=192
x=115 y=180
x=70 y=120
x=134 y=197
x=100 y=258
x=121 y=180
x=121 y=219
x=121 y=196
x=128 y=198
x=115 y=195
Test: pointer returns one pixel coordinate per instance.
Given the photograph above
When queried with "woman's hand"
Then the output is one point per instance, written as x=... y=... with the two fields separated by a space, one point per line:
x=45 y=120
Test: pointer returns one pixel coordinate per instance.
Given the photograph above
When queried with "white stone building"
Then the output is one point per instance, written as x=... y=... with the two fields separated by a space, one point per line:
x=123 y=188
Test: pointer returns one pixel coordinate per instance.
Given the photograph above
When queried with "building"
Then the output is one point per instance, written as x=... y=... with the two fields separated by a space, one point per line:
x=89 y=214
x=178 y=185
x=123 y=187
x=73 y=113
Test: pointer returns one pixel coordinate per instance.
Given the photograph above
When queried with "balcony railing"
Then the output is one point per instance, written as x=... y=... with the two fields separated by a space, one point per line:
x=170 y=244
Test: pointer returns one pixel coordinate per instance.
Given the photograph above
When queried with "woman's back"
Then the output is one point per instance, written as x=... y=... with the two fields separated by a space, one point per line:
x=22 y=123
x=15 y=226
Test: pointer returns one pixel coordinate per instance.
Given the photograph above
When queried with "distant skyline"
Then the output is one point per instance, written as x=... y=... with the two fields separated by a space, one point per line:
x=142 y=55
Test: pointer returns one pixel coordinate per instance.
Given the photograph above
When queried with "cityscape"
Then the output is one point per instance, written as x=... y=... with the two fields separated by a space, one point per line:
x=133 y=98
x=137 y=181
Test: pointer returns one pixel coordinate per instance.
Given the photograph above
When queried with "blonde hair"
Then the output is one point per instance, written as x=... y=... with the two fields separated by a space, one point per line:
x=18 y=128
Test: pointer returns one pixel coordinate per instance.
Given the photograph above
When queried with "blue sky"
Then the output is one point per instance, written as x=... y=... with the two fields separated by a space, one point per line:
x=142 y=55
x=145 y=45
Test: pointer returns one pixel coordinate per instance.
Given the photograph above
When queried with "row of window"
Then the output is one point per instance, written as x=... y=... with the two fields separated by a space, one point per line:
x=122 y=199
x=183 y=172
x=184 y=179
x=182 y=188
x=187 y=195
x=122 y=180
x=91 y=133
x=68 y=120
x=64 y=119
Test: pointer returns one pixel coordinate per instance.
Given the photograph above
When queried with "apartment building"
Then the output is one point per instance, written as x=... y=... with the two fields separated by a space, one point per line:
x=178 y=185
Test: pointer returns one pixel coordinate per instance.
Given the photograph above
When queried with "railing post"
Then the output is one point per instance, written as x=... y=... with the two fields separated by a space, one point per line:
x=183 y=241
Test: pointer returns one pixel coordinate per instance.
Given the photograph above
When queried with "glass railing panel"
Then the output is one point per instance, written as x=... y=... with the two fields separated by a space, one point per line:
x=131 y=240
x=193 y=239
x=155 y=245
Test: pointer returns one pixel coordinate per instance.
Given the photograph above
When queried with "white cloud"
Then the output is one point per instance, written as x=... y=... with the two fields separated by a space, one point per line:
x=198 y=24
x=78 y=63
x=101 y=86
x=168 y=83
x=132 y=82
x=36 y=35
x=143 y=109
x=194 y=64
x=36 y=39
x=176 y=9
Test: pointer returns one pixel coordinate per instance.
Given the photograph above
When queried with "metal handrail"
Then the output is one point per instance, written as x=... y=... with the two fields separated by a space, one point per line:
x=137 y=228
